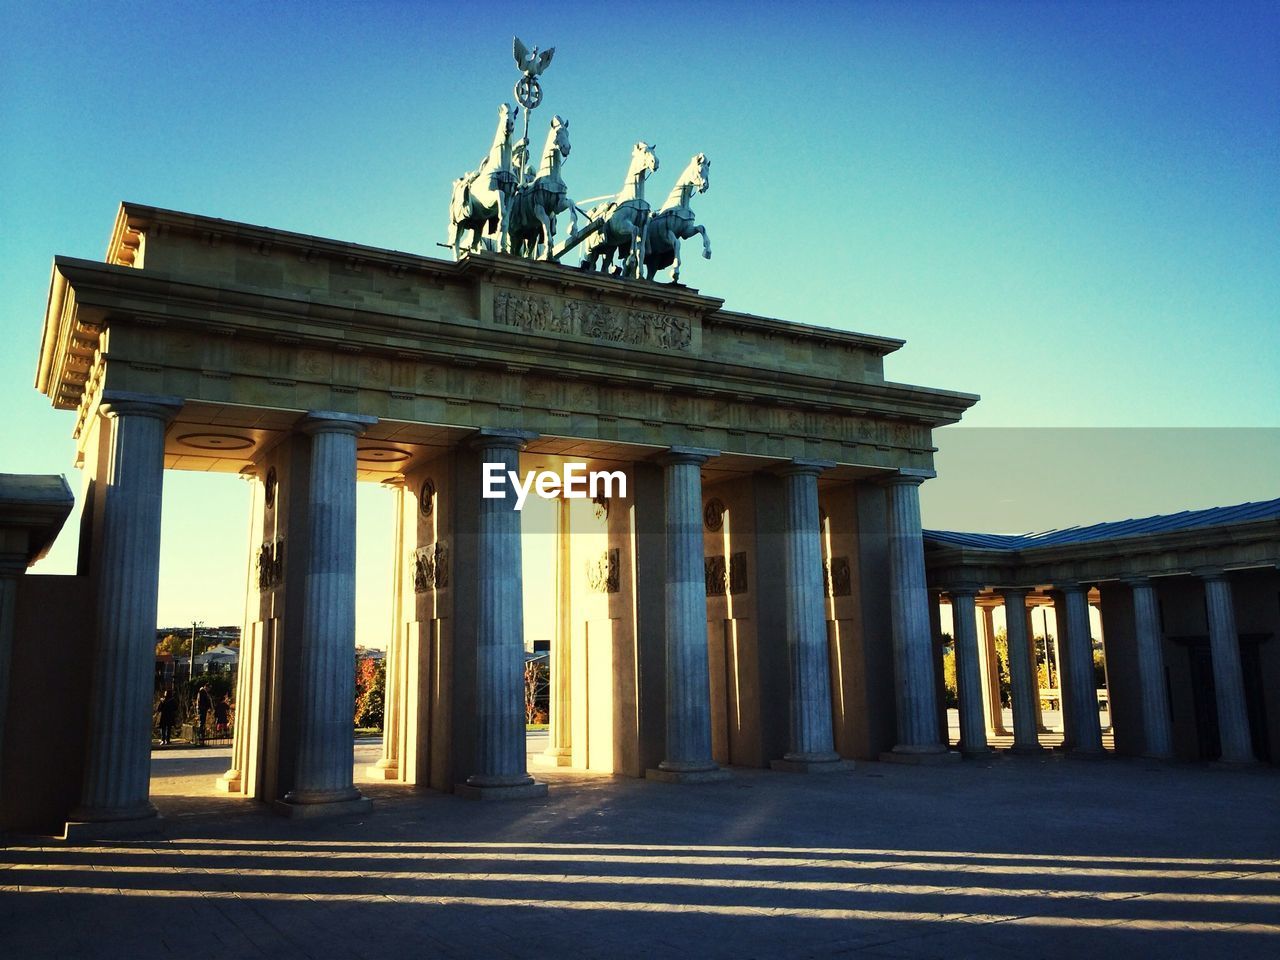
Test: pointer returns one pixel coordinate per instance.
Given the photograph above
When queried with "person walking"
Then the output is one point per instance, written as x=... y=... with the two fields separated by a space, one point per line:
x=167 y=712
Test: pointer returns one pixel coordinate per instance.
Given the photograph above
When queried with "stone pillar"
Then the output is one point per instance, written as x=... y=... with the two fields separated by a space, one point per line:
x=1156 y=723
x=913 y=648
x=1228 y=680
x=688 y=743
x=1041 y=726
x=322 y=782
x=388 y=765
x=118 y=749
x=1065 y=703
x=991 y=674
x=559 y=750
x=1022 y=681
x=247 y=726
x=973 y=728
x=501 y=764
x=812 y=746
x=1086 y=729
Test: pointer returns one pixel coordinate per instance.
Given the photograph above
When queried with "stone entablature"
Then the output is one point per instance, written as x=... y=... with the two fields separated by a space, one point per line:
x=232 y=314
x=1234 y=547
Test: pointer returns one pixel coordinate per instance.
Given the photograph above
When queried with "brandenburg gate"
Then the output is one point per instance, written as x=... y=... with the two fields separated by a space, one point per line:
x=756 y=596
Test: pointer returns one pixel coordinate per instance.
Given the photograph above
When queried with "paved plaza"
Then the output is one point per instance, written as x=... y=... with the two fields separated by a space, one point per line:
x=1003 y=858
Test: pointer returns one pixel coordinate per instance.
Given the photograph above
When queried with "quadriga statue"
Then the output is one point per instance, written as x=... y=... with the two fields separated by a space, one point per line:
x=675 y=221
x=481 y=200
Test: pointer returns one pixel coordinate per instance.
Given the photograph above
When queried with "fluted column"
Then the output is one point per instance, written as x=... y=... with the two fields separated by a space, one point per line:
x=323 y=772
x=1156 y=724
x=688 y=747
x=1228 y=679
x=1022 y=680
x=559 y=750
x=964 y=619
x=501 y=760
x=812 y=738
x=118 y=758
x=388 y=765
x=991 y=674
x=913 y=649
x=1085 y=734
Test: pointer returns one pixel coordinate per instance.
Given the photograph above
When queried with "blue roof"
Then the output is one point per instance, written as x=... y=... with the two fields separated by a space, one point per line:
x=1166 y=523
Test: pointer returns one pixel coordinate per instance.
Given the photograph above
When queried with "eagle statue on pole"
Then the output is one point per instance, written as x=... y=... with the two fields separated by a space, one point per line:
x=532 y=63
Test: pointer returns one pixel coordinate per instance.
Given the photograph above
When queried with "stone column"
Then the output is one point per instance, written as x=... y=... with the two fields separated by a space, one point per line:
x=1022 y=681
x=991 y=672
x=559 y=750
x=322 y=782
x=812 y=738
x=118 y=750
x=388 y=765
x=1156 y=724
x=1086 y=729
x=973 y=728
x=1065 y=705
x=247 y=726
x=688 y=746
x=501 y=771
x=1041 y=726
x=1228 y=680
x=913 y=648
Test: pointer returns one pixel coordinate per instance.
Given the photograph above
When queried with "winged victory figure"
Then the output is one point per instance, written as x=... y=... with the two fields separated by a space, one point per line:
x=532 y=63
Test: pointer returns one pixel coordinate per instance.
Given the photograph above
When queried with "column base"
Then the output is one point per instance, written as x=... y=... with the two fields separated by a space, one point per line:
x=976 y=753
x=315 y=811
x=143 y=811
x=79 y=831
x=1027 y=750
x=229 y=782
x=382 y=771
x=532 y=790
x=835 y=765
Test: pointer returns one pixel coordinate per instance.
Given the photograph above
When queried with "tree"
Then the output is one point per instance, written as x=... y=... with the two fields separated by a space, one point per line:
x=174 y=645
x=371 y=692
x=537 y=676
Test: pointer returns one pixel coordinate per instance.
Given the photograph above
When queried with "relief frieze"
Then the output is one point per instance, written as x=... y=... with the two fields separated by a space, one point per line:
x=431 y=567
x=535 y=313
x=270 y=565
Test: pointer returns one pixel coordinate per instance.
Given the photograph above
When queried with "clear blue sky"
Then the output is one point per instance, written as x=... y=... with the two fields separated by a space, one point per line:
x=1070 y=208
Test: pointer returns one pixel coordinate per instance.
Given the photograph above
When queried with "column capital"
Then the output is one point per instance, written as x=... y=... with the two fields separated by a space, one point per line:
x=1137 y=580
x=1067 y=587
x=331 y=421
x=963 y=590
x=907 y=476
x=1020 y=593
x=499 y=438
x=116 y=402
x=1210 y=574
x=803 y=467
x=695 y=455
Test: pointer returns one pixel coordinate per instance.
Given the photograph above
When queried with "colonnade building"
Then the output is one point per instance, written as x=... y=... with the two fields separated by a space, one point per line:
x=1189 y=610
x=757 y=596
